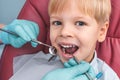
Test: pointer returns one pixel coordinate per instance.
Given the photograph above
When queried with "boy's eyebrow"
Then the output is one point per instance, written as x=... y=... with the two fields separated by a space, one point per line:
x=81 y=18
x=55 y=17
x=75 y=18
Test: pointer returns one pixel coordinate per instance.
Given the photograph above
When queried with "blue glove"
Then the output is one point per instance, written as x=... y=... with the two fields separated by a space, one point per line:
x=75 y=72
x=72 y=62
x=27 y=30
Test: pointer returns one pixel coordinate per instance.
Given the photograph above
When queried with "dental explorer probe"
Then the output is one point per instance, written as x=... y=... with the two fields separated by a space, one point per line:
x=52 y=50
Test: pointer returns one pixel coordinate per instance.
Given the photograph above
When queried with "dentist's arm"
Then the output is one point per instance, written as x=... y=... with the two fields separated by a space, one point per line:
x=1 y=26
x=73 y=72
x=27 y=30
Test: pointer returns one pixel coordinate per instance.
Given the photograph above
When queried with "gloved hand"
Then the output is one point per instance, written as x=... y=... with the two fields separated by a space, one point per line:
x=72 y=71
x=27 y=30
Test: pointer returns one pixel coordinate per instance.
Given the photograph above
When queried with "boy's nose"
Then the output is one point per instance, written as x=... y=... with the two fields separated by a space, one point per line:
x=66 y=32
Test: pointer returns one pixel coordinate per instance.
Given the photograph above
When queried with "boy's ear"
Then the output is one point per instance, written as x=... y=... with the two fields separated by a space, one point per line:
x=103 y=31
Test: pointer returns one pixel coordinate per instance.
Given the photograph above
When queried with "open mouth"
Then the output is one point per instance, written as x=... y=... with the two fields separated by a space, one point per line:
x=69 y=48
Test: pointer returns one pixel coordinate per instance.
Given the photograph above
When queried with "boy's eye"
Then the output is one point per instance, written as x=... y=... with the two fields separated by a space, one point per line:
x=56 y=23
x=80 y=23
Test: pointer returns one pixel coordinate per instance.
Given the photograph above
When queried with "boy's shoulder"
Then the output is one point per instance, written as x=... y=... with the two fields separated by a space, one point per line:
x=108 y=72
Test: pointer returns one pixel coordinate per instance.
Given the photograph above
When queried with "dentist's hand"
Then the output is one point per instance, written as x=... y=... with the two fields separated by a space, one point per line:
x=72 y=71
x=27 y=30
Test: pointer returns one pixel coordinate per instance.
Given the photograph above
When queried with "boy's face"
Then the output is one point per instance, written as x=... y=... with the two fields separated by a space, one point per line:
x=75 y=34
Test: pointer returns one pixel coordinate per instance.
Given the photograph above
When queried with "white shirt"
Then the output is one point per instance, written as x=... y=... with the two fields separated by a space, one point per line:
x=35 y=66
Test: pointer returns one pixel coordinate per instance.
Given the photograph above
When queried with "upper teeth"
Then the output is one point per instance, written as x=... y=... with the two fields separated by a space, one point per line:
x=67 y=46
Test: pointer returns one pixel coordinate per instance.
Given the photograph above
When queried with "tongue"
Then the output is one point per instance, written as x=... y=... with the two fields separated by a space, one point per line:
x=70 y=50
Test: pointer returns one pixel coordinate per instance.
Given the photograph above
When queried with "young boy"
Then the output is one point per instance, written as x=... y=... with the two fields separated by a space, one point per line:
x=75 y=28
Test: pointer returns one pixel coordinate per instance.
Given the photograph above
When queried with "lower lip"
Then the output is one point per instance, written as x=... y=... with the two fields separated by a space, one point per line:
x=67 y=56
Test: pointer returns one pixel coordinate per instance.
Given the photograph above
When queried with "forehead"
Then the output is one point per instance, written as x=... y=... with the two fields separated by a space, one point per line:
x=98 y=9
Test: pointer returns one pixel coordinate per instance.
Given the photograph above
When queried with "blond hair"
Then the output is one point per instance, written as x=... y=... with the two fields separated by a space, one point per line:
x=98 y=9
